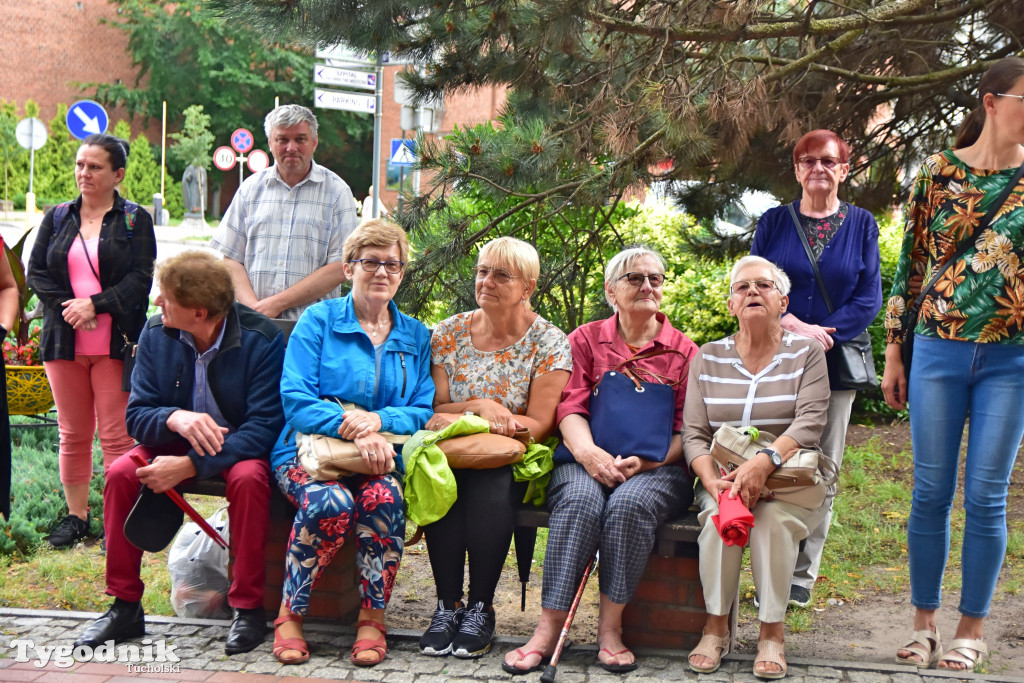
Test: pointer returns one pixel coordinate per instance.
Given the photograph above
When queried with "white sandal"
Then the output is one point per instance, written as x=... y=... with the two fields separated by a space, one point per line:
x=965 y=651
x=712 y=647
x=925 y=644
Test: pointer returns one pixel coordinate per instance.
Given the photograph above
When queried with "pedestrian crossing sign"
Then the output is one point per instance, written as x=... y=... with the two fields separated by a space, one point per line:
x=403 y=152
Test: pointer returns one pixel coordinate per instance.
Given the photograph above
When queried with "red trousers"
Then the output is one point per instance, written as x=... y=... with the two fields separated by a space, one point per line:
x=248 y=497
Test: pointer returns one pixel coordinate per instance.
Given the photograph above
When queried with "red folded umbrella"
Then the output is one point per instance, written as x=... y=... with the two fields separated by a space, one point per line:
x=733 y=521
x=180 y=501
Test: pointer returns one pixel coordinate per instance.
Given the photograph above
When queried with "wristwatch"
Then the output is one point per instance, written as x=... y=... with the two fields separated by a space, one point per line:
x=776 y=458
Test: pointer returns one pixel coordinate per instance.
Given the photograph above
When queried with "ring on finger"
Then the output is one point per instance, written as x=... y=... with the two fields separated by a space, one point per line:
x=372 y=453
x=362 y=425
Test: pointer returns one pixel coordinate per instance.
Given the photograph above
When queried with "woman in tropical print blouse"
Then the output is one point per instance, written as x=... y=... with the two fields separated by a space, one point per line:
x=968 y=361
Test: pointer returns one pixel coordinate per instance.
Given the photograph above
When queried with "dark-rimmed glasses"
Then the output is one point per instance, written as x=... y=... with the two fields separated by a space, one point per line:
x=637 y=279
x=372 y=265
x=743 y=286
x=500 y=275
x=827 y=163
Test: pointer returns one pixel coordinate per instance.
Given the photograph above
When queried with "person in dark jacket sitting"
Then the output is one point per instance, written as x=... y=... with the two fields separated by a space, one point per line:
x=205 y=403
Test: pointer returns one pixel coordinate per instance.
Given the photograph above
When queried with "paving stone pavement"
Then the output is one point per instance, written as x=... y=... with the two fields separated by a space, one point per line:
x=199 y=645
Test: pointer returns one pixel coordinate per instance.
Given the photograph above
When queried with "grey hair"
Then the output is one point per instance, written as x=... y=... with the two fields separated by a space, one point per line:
x=778 y=276
x=620 y=264
x=288 y=115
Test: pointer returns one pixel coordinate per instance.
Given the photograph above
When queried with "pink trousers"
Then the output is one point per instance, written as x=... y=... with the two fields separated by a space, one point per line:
x=88 y=395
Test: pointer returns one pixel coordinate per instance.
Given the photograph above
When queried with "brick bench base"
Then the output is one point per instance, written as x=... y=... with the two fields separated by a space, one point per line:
x=667 y=611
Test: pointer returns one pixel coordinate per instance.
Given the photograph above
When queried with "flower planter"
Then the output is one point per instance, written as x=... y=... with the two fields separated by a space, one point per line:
x=28 y=390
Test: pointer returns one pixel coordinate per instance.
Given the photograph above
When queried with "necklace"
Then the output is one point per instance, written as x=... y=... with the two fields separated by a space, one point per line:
x=375 y=329
x=104 y=213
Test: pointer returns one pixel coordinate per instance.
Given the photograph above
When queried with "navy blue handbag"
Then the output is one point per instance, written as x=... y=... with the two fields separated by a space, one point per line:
x=630 y=416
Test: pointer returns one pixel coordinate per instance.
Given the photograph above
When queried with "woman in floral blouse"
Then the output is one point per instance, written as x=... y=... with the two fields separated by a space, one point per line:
x=508 y=365
x=968 y=360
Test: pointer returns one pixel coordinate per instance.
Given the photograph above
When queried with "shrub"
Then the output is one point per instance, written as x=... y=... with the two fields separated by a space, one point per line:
x=37 y=497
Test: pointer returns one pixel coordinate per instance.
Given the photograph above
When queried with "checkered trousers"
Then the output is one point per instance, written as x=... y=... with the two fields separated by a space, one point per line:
x=586 y=516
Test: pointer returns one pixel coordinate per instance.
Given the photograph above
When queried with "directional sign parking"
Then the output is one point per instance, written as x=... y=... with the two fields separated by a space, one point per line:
x=241 y=140
x=333 y=99
x=403 y=152
x=86 y=118
x=344 y=77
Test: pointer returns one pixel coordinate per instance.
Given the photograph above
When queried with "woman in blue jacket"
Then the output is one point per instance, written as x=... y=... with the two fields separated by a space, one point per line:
x=844 y=240
x=355 y=350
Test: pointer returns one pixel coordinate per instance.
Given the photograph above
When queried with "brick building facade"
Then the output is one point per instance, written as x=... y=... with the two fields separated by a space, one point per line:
x=47 y=46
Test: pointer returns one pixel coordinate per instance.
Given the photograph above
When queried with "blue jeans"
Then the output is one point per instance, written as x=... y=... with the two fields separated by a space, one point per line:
x=950 y=381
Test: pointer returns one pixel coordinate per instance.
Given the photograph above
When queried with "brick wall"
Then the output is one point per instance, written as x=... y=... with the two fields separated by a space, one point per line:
x=667 y=610
x=49 y=45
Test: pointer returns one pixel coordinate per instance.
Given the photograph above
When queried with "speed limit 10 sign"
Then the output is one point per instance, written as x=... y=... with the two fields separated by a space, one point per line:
x=224 y=158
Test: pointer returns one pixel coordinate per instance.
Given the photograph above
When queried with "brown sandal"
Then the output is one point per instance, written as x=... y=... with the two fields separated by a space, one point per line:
x=378 y=645
x=714 y=648
x=283 y=644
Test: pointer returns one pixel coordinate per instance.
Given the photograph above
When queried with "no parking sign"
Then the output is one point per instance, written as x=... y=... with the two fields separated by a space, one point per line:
x=242 y=140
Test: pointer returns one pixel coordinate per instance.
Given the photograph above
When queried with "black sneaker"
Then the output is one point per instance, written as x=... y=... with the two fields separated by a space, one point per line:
x=475 y=632
x=436 y=641
x=70 y=531
x=799 y=596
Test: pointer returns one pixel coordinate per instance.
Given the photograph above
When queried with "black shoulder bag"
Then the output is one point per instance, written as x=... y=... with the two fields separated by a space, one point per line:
x=855 y=363
x=907 y=350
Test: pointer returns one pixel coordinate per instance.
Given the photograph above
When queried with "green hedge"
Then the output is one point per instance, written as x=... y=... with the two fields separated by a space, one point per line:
x=37 y=497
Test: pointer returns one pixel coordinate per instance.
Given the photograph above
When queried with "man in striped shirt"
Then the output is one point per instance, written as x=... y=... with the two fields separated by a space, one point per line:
x=282 y=236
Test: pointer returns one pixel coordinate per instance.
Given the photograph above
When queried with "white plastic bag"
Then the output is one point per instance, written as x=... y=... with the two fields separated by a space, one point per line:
x=199 y=570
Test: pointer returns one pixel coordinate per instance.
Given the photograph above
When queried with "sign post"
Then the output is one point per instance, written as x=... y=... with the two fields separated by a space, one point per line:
x=242 y=141
x=31 y=134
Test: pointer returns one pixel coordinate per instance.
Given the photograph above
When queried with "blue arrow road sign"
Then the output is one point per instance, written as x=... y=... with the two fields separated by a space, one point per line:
x=86 y=118
x=403 y=152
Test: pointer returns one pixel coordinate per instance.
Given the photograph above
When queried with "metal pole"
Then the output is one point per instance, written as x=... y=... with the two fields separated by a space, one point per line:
x=378 y=116
x=31 y=154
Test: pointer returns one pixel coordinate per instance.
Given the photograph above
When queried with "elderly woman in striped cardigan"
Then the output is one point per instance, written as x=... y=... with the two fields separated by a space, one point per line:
x=775 y=380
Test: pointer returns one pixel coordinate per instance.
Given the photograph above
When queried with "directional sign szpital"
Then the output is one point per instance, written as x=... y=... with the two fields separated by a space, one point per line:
x=332 y=75
x=86 y=118
x=348 y=101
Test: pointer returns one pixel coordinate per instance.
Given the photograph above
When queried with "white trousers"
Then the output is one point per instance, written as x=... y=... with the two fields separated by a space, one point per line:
x=833 y=444
x=774 y=540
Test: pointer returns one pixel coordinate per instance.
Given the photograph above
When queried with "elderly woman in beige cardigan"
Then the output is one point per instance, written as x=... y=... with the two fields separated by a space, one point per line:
x=775 y=380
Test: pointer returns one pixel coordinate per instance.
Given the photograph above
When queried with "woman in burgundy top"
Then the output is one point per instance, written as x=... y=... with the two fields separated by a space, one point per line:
x=608 y=501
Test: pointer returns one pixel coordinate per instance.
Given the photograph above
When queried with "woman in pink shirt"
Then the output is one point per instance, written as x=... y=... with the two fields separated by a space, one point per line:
x=609 y=500
x=92 y=268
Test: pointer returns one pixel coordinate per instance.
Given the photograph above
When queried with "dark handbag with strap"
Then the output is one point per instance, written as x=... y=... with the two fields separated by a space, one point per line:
x=907 y=349
x=855 y=363
x=630 y=416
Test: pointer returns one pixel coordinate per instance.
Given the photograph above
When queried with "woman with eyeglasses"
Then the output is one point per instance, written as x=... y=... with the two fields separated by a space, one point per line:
x=844 y=242
x=354 y=367
x=508 y=365
x=773 y=379
x=968 y=361
x=612 y=502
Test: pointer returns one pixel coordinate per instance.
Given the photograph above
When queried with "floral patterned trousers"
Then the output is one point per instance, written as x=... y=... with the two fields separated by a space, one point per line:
x=328 y=512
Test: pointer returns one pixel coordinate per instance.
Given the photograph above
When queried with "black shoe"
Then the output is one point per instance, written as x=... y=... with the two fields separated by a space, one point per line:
x=124 y=620
x=475 y=632
x=69 y=531
x=799 y=596
x=436 y=641
x=248 y=629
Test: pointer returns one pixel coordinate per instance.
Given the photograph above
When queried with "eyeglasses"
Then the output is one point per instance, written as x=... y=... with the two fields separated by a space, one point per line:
x=637 y=279
x=743 y=286
x=1019 y=97
x=500 y=275
x=373 y=265
x=827 y=163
